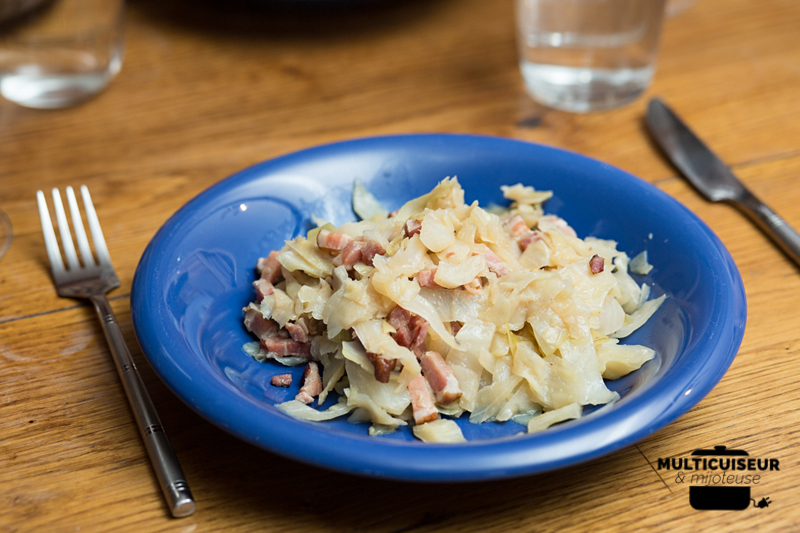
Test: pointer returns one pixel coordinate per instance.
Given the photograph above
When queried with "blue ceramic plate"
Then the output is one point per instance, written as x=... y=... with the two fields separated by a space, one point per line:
x=195 y=277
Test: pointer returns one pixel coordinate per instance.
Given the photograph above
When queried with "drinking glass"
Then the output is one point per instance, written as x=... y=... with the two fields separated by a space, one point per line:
x=588 y=55
x=60 y=52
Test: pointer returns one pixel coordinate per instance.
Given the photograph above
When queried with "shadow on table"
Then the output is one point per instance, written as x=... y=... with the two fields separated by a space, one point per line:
x=278 y=19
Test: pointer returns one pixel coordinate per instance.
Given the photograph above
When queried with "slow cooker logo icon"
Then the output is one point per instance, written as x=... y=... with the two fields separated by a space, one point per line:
x=720 y=478
x=734 y=497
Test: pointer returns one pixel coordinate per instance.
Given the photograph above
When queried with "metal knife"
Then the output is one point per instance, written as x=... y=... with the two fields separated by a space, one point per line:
x=713 y=178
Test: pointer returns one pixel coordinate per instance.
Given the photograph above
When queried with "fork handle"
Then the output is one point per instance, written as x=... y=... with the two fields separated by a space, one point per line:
x=165 y=463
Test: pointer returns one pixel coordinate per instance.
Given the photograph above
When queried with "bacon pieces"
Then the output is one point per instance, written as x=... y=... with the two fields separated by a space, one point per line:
x=370 y=250
x=270 y=268
x=560 y=224
x=258 y=325
x=519 y=230
x=349 y=251
x=281 y=380
x=383 y=366
x=333 y=241
x=412 y=227
x=351 y=254
x=403 y=336
x=398 y=317
x=516 y=226
x=419 y=330
x=529 y=238
x=410 y=329
x=425 y=279
x=298 y=330
x=596 y=264
x=312 y=384
x=263 y=288
x=274 y=339
x=440 y=377
x=495 y=264
x=282 y=347
x=422 y=400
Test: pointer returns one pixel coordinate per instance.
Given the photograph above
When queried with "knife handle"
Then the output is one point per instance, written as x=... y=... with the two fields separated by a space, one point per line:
x=772 y=224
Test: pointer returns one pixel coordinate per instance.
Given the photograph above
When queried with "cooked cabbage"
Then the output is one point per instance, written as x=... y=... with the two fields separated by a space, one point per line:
x=304 y=412
x=526 y=323
x=442 y=431
x=365 y=204
x=639 y=264
x=545 y=420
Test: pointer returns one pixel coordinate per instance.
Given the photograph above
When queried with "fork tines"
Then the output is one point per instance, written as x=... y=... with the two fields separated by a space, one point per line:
x=51 y=243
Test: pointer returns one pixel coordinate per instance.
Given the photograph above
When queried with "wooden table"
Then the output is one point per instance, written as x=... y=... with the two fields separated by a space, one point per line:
x=204 y=93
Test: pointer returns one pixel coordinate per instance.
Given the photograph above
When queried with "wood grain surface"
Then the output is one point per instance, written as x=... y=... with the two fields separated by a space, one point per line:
x=209 y=88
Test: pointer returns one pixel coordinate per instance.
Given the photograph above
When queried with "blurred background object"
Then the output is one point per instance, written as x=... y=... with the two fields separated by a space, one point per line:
x=12 y=8
x=5 y=233
x=676 y=7
x=57 y=53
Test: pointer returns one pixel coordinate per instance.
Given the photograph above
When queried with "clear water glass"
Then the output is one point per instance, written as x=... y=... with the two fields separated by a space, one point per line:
x=588 y=55
x=61 y=52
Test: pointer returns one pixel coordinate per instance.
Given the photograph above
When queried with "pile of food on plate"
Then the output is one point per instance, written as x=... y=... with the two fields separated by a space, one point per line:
x=417 y=316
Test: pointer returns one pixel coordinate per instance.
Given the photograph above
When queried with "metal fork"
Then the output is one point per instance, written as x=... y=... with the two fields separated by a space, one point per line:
x=92 y=280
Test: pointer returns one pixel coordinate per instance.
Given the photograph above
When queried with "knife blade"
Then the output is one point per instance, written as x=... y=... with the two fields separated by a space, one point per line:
x=712 y=178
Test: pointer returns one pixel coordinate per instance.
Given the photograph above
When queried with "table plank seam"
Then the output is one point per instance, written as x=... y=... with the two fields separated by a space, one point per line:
x=4 y=321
